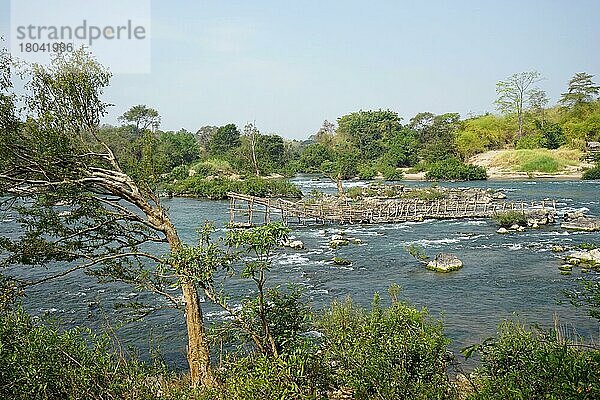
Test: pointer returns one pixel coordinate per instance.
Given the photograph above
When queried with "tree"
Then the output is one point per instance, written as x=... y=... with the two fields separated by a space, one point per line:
x=271 y=150
x=366 y=130
x=326 y=133
x=314 y=156
x=581 y=90
x=343 y=166
x=538 y=100
x=79 y=210
x=436 y=134
x=512 y=94
x=401 y=148
x=142 y=117
x=251 y=134
x=226 y=138
x=177 y=148
x=204 y=134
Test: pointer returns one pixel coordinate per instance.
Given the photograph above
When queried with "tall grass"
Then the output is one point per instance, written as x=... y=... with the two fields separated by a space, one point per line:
x=537 y=160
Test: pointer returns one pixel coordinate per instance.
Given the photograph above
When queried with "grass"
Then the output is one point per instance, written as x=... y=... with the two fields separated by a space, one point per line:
x=538 y=160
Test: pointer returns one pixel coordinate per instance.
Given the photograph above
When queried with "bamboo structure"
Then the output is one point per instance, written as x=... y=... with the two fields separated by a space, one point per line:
x=257 y=210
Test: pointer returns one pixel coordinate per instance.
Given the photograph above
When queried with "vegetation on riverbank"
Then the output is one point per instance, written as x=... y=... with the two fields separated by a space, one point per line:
x=537 y=160
x=395 y=351
x=217 y=188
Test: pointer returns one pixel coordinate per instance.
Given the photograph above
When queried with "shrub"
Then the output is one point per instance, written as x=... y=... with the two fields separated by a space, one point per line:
x=389 y=353
x=524 y=363
x=509 y=218
x=216 y=189
x=392 y=174
x=532 y=141
x=299 y=374
x=40 y=362
x=593 y=173
x=366 y=171
x=452 y=169
x=543 y=163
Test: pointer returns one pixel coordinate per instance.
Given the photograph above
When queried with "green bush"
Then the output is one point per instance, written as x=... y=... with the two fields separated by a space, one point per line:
x=509 y=218
x=216 y=189
x=40 y=362
x=547 y=164
x=532 y=141
x=392 y=174
x=366 y=171
x=593 y=173
x=388 y=353
x=452 y=169
x=524 y=363
x=299 y=374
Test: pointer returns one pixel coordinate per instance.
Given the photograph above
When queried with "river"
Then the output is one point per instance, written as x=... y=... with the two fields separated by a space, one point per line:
x=504 y=276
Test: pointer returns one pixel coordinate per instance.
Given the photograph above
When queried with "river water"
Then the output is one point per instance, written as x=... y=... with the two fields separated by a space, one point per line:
x=504 y=276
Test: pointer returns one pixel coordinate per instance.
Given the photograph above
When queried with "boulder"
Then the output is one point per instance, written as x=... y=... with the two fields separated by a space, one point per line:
x=570 y=216
x=296 y=244
x=557 y=249
x=445 y=262
x=587 y=257
x=341 y=261
x=588 y=224
x=502 y=231
x=338 y=237
x=514 y=227
x=334 y=244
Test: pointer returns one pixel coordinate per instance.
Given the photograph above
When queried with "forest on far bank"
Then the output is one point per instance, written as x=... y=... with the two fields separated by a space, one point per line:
x=366 y=144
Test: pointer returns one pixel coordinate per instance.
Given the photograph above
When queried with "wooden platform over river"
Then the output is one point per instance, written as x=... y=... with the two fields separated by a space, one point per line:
x=249 y=211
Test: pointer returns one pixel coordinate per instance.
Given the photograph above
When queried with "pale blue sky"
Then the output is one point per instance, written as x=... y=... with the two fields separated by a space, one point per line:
x=290 y=65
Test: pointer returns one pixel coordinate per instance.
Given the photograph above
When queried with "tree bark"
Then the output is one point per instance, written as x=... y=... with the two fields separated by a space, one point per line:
x=340 y=187
x=198 y=351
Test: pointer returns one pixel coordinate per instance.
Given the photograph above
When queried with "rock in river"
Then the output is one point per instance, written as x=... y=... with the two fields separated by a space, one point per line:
x=445 y=262
x=588 y=224
x=296 y=244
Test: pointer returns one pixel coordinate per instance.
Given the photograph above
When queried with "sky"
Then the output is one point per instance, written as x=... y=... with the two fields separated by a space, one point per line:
x=288 y=66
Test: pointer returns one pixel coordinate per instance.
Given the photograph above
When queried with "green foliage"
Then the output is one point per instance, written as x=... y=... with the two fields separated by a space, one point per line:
x=418 y=252
x=452 y=169
x=509 y=218
x=216 y=189
x=391 y=173
x=553 y=134
x=401 y=148
x=366 y=171
x=587 y=295
x=542 y=163
x=41 y=362
x=226 y=138
x=524 y=363
x=581 y=90
x=592 y=173
x=389 y=353
x=532 y=141
x=435 y=134
x=365 y=130
x=141 y=118
x=298 y=374
x=482 y=133
x=313 y=157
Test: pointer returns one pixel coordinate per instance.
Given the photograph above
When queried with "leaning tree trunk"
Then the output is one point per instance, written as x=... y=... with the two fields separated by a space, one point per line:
x=198 y=351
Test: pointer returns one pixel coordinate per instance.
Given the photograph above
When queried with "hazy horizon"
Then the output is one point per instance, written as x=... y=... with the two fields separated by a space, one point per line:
x=289 y=67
